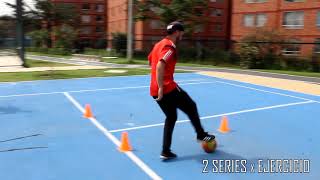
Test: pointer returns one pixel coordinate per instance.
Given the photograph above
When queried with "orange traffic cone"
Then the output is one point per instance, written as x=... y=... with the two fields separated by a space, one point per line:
x=88 y=113
x=125 y=145
x=224 y=127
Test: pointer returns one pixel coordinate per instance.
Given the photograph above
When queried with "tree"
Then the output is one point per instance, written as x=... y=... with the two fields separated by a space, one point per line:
x=48 y=14
x=266 y=40
x=7 y=27
x=39 y=37
x=191 y=12
x=267 y=43
x=65 y=36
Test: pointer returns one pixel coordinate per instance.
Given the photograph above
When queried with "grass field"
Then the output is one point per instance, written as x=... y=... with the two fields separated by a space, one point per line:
x=36 y=63
x=45 y=75
x=197 y=64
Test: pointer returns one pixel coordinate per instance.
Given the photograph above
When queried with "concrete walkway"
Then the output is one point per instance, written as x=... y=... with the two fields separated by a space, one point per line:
x=8 y=59
x=35 y=69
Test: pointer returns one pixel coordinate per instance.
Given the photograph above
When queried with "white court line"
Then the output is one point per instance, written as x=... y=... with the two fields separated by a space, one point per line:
x=105 y=131
x=93 y=90
x=261 y=90
x=218 y=115
x=138 y=87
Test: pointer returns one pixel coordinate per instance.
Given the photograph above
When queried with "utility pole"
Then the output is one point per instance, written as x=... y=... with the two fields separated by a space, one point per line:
x=20 y=32
x=130 y=31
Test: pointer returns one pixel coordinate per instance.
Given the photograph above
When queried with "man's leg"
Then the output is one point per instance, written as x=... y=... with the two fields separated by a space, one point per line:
x=168 y=106
x=188 y=106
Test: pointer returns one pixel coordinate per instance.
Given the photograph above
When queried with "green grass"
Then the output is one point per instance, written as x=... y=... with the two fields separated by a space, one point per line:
x=50 y=55
x=36 y=63
x=67 y=74
x=144 y=61
x=207 y=65
x=296 y=73
x=125 y=61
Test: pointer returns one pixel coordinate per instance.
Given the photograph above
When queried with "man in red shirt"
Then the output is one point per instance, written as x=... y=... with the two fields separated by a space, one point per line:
x=167 y=93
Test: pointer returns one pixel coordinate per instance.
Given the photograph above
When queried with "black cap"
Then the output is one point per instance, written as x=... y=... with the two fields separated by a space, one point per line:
x=174 y=26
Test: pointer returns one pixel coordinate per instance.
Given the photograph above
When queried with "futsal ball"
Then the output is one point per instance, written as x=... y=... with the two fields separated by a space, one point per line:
x=210 y=146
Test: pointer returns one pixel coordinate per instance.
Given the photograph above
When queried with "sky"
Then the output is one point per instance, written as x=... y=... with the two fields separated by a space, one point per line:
x=5 y=10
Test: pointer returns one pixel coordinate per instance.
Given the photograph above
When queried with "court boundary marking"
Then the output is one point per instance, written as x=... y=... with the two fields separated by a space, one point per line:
x=217 y=115
x=113 y=139
x=147 y=86
x=94 y=90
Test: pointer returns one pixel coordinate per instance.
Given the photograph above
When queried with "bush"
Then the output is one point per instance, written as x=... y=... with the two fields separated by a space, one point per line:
x=296 y=64
x=216 y=56
x=37 y=49
x=270 y=61
x=187 y=54
x=248 y=56
x=100 y=44
x=315 y=63
x=100 y=52
x=119 y=42
x=59 y=51
x=141 y=54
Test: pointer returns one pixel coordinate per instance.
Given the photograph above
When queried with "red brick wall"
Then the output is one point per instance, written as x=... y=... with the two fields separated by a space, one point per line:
x=275 y=10
x=117 y=22
x=93 y=35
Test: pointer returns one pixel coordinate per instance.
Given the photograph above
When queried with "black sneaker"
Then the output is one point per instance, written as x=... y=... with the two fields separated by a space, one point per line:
x=167 y=155
x=206 y=137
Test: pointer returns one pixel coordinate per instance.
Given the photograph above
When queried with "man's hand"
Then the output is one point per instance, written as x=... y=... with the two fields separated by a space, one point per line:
x=160 y=94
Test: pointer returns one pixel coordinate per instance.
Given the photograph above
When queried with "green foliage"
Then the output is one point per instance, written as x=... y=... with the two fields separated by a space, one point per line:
x=65 y=36
x=191 y=12
x=54 y=51
x=264 y=48
x=39 y=37
x=248 y=56
x=119 y=42
x=59 y=51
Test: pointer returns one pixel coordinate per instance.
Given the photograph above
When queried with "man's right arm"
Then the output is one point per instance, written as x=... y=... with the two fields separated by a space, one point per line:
x=160 y=73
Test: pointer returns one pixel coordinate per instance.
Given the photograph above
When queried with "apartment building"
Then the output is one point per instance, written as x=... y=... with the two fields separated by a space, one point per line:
x=149 y=31
x=92 y=20
x=297 y=20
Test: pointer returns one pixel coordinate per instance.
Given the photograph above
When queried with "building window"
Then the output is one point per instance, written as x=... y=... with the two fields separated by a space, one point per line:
x=99 y=29
x=216 y=12
x=99 y=18
x=217 y=28
x=85 y=7
x=100 y=8
x=261 y=20
x=316 y=48
x=293 y=20
x=248 y=20
x=85 y=30
x=255 y=1
x=292 y=49
x=85 y=19
x=294 y=0
x=199 y=28
x=318 y=19
x=255 y=20
x=218 y=1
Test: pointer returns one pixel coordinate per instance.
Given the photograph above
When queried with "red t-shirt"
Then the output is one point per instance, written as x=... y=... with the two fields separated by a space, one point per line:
x=165 y=51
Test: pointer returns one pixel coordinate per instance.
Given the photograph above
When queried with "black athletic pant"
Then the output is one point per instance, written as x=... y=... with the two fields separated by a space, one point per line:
x=178 y=99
